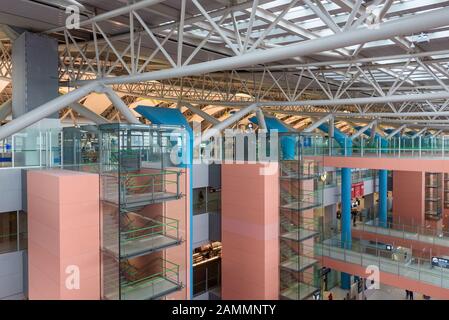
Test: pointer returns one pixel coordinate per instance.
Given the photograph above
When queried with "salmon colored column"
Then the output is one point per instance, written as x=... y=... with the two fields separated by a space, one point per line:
x=250 y=231
x=408 y=197
x=63 y=235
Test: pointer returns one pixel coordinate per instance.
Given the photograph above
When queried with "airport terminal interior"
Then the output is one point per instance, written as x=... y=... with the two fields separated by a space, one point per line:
x=224 y=150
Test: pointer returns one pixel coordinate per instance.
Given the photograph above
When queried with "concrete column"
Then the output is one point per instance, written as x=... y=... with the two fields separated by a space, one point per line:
x=383 y=201
x=34 y=73
x=346 y=237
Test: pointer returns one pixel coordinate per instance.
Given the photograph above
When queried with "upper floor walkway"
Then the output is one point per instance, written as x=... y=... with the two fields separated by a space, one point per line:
x=397 y=269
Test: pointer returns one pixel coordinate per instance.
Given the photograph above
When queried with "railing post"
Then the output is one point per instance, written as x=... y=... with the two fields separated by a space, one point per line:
x=442 y=147
x=420 y=146
x=177 y=183
x=419 y=269
x=152 y=187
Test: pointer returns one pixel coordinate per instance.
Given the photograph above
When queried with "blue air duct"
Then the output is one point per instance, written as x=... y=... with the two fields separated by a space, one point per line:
x=288 y=143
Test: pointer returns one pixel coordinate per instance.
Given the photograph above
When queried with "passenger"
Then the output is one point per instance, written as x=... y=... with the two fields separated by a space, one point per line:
x=354 y=218
x=411 y=295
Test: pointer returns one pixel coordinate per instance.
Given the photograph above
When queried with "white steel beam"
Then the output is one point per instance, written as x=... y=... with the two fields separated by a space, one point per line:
x=261 y=119
x=420 y=132
x=401 y=26
x=111 y=14
x=45 y=110
x=226 y=123
x=396 y=131
x=318 y=123
x=5 y=109
x=87 y=113
x=362 y=130
x=119 y=104
x=201 y=113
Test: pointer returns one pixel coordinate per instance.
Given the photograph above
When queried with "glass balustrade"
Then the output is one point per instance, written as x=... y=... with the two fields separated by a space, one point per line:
x=399 y=262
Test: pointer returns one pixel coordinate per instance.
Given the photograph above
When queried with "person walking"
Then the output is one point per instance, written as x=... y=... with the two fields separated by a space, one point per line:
x=330 y=296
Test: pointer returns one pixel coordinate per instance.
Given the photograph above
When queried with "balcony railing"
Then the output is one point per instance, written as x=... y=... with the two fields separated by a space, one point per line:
x=151 y=286
x=387 y=261
x=406 y=232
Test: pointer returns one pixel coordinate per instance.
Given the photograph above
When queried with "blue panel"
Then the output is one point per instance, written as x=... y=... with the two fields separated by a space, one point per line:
x=163 y=116
x=272 y=123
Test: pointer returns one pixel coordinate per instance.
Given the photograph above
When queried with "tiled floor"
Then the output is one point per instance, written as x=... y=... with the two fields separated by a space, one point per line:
x=384 y=293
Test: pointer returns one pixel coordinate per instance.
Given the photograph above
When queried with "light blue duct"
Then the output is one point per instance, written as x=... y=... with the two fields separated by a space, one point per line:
x=288 y=143
x=166 y=116
x=346 y=182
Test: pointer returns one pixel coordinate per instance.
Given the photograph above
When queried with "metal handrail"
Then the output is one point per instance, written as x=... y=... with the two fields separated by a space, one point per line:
x=416 y=268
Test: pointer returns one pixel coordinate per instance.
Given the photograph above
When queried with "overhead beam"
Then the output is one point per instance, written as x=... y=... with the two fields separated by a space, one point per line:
x=215 y=130
x=261 y=119
x=201 y=113
x=5 y=109
x=402 y=26
x=46 y=110
x=318 y=123
x=396 y=131
x=420 y=132
x=364 y=100
x=87 y=113
x=362 y=130
x=119 y=104
x=111 y=14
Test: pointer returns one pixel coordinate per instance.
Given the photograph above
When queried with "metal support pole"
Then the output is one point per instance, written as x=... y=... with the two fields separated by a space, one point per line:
x=119 y=104
x=89 y=114
x=226 y=123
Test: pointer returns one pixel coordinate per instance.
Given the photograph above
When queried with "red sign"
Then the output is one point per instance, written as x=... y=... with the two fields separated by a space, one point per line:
x=357 y=190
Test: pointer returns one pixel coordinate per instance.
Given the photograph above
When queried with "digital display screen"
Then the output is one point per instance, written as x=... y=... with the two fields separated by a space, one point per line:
x=440 y=262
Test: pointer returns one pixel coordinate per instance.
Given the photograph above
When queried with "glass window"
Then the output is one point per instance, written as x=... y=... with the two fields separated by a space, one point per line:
x=8 y=232
x=199 y=200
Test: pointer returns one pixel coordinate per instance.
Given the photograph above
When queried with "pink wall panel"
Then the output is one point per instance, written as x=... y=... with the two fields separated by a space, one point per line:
x=408 y=197
x=63 y=227
x=250 y=232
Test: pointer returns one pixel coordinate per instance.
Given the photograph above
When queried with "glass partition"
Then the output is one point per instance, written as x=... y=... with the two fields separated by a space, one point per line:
x=140 y=168
x=301 y=180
